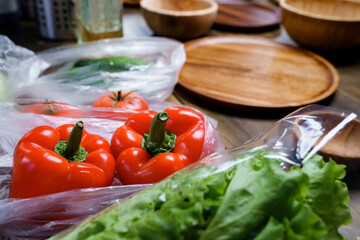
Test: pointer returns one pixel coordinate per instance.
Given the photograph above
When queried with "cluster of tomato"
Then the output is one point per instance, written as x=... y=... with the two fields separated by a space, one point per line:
x=149 y=147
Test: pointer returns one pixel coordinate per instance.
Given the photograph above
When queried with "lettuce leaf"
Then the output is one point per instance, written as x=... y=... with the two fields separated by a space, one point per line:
x=328 y=194
x=253 y=199
x=177 y=208
x=260 y=191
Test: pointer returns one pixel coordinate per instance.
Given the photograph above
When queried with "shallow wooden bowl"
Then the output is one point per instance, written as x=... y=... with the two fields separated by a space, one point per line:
x=325 y=25
x=343 y=147
x=179 y=19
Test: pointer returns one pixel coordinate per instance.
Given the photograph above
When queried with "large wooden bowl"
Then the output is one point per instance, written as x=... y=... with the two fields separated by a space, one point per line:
x=179 y=19
x=326 y=25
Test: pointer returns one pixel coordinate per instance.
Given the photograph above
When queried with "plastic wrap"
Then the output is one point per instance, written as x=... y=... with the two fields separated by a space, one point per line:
x=293 y=144
x=40 y=217
x=50 y=74
x=13 y=56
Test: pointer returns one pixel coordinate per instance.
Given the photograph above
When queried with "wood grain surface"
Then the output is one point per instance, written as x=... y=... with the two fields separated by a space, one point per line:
x=235 y=15
x=255 y=72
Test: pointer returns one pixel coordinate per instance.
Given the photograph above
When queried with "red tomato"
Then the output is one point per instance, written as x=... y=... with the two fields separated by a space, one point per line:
x=47 y=108
x=125 y=100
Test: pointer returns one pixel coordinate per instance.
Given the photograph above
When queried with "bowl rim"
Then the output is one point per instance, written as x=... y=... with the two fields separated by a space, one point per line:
x=213 y=8
x=285 y=5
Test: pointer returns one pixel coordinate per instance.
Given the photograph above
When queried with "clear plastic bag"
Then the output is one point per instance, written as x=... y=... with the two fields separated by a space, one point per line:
x=274 y=186
x=11 y=76
x=50 y=74
x=43 y=216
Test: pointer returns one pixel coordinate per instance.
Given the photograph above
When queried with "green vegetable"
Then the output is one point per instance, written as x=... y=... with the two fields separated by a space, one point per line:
x=89 y=76
x=4 y=88
x=112 y=64
x=254 y=199
x=327 y=194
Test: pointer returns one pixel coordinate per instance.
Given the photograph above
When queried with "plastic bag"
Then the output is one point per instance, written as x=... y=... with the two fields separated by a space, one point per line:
x=275 y=185
x=13 y=56
x=11 y=76
x=50 y=74
x=102 y=121
x=43 y=216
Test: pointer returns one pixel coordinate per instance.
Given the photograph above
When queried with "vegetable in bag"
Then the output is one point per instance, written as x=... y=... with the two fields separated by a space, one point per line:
x=49 y=160
x=112 y=64
x=251 y=197
x=151 y=146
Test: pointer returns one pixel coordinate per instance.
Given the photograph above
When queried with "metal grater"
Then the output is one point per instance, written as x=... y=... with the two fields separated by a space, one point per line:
x=54 y=19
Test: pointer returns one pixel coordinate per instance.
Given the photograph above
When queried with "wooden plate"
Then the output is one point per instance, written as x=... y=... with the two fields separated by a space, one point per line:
x=235 y=15
x=255 y=72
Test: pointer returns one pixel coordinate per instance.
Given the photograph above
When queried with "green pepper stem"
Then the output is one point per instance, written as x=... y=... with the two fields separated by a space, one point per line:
x=73 y=144
x=157 y=127
x=159 y=140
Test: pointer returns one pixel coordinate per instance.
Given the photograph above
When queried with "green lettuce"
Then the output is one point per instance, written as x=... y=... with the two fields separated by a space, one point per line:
x=261 y=190
x=328 y=194
x=253 y=199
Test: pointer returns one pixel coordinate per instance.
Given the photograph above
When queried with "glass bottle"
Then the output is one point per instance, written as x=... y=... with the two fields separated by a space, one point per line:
x=98 y=19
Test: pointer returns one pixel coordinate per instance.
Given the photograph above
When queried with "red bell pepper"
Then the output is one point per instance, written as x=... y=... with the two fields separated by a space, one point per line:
x=124 y=100
x=151 y=146
x=49 y=160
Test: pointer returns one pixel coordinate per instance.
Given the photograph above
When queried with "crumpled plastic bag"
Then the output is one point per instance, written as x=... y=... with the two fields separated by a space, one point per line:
x=50 y=74
x=20 y=65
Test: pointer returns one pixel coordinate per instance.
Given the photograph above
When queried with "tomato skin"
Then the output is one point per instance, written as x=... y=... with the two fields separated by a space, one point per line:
x=124 y=100
x=136 y=166
x=38 y=170
x=51 y=108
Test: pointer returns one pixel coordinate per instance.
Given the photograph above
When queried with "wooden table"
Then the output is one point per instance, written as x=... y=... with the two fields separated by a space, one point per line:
x=236 y=127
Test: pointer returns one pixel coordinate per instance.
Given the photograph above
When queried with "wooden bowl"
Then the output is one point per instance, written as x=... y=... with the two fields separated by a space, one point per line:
x=325 y=25
x=344 y=146
x=132 y=2
x=179 y=19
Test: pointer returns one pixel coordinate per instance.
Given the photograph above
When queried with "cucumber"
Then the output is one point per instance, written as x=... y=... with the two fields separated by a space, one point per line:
x=112 y=64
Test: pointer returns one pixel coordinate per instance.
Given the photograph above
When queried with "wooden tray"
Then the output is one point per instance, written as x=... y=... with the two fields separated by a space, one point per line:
x=255 y=72
x=235 y=15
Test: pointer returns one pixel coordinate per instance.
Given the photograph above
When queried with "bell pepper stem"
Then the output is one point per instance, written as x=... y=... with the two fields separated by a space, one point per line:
x=73 y=144
x=159 y=140
x=157 y=127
